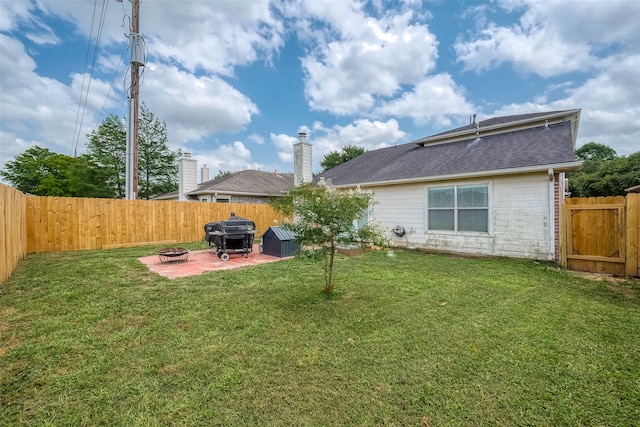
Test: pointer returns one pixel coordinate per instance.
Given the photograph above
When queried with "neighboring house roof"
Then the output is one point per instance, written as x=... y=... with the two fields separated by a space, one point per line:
x=501 y=145
x=248 y=183
x=167 y=196
x=634 y=189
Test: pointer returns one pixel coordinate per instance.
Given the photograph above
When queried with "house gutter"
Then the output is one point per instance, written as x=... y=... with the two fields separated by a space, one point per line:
x=559 y=167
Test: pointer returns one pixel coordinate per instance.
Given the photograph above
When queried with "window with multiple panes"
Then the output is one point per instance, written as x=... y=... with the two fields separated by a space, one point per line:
x=458 y=208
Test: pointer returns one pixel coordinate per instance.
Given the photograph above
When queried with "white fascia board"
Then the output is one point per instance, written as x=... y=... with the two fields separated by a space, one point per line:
x=558 y=167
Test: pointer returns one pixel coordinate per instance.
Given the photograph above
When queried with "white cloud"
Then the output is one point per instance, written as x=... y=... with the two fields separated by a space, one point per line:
x=214 y=36
x=194 y=107
x=227 y=157
x=436 y=100
x=534 y=51
x=40 y=108
x=11 y=146
x=609 y=103
x=256 y=139
x=13 y=13
x=361 y=59
x=553 y=37
x=284 y=145
x=362 y=133
x=85 y=16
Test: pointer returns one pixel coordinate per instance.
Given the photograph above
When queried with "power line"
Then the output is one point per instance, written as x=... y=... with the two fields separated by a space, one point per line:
x=93 y=63
x=84 y=74
x=113 y=79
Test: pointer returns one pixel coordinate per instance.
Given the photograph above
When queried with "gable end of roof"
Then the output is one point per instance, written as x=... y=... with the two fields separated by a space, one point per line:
x=504 y=124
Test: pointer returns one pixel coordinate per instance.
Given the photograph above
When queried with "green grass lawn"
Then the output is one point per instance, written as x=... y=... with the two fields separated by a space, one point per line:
x=92 y=338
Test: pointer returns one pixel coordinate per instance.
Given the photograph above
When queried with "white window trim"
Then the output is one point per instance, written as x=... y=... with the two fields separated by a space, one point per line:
x=455 y=232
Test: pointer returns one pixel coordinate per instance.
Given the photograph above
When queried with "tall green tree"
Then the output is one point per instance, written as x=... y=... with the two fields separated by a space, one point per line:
x=323 y=217
x=335 y=158
x=603 y=173
x=157 y=165
x=107 y=147
x=42 y=172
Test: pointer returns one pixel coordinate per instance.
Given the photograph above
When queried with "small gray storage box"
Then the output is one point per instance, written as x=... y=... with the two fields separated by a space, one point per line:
x=279 y=242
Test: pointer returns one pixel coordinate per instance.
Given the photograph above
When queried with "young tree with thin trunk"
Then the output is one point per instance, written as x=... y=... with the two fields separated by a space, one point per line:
x=324 y=217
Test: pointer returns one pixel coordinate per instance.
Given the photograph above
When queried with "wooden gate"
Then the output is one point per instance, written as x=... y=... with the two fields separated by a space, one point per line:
x=601 y=235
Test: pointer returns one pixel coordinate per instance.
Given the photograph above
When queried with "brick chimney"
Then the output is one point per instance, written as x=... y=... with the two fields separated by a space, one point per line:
x=187 y=176
x=302 y=168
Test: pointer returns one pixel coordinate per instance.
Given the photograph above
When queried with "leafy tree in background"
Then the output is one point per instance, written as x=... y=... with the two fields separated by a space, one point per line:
x=27 y=170
x=603 y=173
x=595 y=151
x=157 y=165
x=107 y=147
x=222 y=174
x=324 y=217
x=42 y=172
x=335 y=158
x=101 y=172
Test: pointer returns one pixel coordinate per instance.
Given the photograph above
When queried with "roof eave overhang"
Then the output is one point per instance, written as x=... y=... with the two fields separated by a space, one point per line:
x=554 y=118
x=557 y=167
x=231 y=193
x=174 y=197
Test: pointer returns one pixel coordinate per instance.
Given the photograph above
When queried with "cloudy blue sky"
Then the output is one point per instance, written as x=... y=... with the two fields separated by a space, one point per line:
x=236 y=80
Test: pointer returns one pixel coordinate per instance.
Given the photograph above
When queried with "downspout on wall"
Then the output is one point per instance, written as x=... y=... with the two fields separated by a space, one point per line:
x=552 y=215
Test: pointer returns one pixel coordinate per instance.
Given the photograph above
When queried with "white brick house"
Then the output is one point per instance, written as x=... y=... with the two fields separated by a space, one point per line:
x=490 y=188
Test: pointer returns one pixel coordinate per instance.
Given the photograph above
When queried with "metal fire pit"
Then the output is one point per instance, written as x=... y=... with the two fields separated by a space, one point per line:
x=173 y=255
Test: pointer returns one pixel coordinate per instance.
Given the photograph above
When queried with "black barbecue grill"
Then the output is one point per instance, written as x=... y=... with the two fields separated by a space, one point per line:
x=234 y=236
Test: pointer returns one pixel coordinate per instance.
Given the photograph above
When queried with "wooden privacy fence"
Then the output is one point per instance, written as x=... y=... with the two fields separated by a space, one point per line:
x=57 y=224
x=601 y=235
x=13 y=230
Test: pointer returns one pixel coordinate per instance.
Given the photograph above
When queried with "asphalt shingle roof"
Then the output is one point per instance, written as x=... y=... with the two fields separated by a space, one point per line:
x=514 y=149
x=251 y=182
x=499 y=121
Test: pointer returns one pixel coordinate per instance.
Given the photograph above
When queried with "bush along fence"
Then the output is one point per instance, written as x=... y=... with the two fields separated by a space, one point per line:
x=35 y=224
x=601 y=235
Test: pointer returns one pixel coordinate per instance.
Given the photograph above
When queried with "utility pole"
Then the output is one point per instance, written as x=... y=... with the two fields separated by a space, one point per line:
x=135 y=93
x=136 y=47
